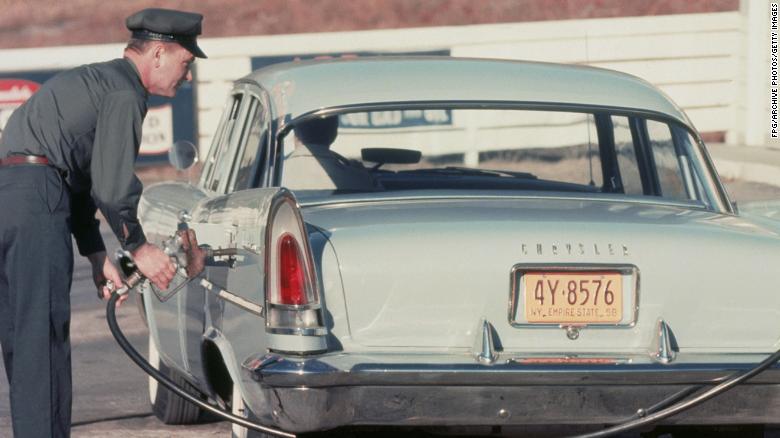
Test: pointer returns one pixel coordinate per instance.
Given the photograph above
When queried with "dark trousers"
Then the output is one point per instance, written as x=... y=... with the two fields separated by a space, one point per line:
x=36 y=267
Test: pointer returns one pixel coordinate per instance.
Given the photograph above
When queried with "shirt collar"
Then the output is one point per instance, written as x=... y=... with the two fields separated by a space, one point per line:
x=136 y=76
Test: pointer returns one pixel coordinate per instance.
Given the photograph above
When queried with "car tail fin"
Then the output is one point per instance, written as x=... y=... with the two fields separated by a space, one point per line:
x=294 y=314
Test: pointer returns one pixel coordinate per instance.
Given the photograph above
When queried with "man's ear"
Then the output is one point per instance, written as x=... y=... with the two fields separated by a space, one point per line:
x=157 y=51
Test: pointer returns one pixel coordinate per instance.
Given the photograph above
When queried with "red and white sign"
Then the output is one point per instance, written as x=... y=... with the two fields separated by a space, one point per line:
x=157 y=130
x=14 y=92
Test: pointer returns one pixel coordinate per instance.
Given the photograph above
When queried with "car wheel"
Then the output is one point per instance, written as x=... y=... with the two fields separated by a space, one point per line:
x=167 y=406
x=238 y=408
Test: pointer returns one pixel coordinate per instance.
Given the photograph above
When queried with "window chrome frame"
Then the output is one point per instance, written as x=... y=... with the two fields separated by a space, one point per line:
x=713 y=187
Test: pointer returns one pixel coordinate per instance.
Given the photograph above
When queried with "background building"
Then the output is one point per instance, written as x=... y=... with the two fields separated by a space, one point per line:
x=712 y=57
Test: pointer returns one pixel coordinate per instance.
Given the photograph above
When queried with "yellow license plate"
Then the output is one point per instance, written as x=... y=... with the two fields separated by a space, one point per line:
x=573 y=297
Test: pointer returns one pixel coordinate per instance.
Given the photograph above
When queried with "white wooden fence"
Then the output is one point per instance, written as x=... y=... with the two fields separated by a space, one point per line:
x=708 y=63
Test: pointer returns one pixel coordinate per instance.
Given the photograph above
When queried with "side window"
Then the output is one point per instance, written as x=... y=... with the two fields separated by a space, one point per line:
x=667 y=162
x=218 y=163
x=252 y=144
x=696 y=170
x=626 y=157
x=208 y=162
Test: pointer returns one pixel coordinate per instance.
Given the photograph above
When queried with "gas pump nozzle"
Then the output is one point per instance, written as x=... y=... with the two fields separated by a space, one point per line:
x=187 y=257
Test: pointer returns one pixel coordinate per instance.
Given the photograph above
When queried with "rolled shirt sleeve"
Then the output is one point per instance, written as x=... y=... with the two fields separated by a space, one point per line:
x=115 y=187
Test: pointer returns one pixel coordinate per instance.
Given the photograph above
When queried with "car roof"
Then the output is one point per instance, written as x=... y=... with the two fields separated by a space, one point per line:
x=300 y=87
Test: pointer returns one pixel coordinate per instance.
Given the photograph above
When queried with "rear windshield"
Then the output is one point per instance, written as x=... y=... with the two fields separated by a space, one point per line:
x=495 y=149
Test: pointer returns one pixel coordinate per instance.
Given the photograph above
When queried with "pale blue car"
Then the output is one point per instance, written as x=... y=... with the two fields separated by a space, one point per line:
x=448 y=242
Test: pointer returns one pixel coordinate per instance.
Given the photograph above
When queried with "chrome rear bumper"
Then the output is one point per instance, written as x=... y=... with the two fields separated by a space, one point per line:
x=300 y=394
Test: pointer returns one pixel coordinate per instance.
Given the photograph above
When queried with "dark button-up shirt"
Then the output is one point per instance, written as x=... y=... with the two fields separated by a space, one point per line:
x=87 y=122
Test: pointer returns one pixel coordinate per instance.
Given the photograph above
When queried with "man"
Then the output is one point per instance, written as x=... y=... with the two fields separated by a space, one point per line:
x=313 y=165
x=68 y=150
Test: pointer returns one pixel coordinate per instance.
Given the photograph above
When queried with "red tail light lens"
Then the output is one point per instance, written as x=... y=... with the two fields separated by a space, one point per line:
x=292 y=285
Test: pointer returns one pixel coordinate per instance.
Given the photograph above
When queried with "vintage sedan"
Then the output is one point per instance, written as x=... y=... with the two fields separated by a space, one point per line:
x=448 y=242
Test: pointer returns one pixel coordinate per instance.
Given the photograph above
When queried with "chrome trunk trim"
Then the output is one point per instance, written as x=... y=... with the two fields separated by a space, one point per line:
x=484 y=349
x=664 y=345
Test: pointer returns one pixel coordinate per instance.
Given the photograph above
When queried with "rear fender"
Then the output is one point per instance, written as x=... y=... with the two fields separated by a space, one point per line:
x=246 y=221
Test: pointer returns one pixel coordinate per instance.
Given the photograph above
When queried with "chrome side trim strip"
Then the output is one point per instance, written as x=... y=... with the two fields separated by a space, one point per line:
x=233 y=298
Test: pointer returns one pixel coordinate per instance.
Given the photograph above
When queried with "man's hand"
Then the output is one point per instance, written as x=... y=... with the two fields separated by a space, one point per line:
x=154 y=264
x=103 y=270
x=196 y=257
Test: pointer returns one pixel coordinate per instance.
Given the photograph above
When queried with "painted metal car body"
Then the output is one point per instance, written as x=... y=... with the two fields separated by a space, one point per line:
x=422 y=296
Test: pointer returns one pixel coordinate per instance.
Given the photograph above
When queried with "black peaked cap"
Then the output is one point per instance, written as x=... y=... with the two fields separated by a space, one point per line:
x=167 y=25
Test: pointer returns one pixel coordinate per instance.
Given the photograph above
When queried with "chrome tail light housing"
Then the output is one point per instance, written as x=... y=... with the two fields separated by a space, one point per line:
x=294 y=314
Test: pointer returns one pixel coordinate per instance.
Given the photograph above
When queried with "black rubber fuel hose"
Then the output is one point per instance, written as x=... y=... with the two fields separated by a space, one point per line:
x=168 y=383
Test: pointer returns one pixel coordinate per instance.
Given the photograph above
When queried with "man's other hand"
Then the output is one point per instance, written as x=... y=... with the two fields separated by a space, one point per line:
x=103 y=270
